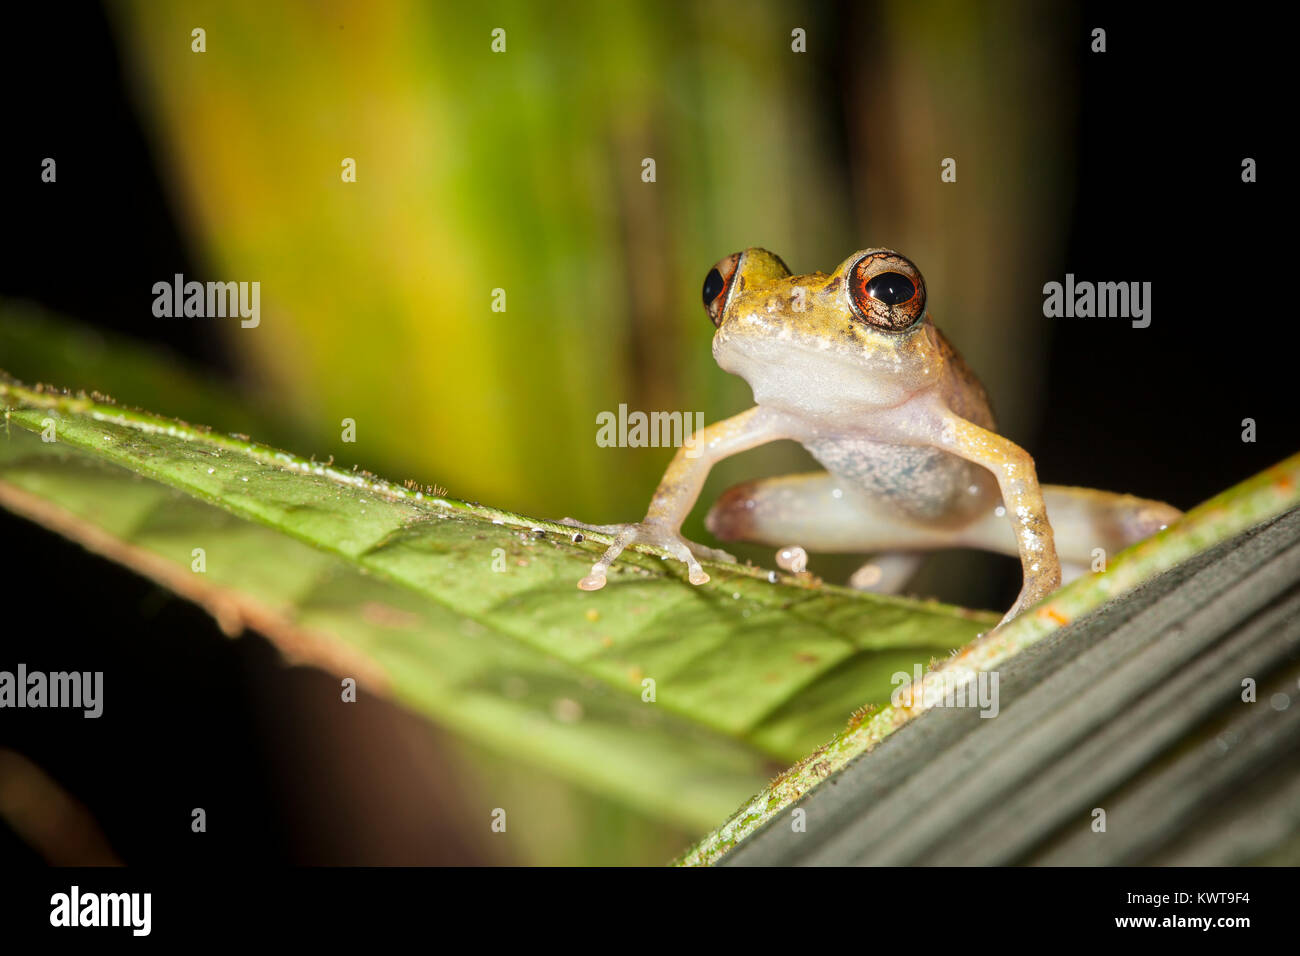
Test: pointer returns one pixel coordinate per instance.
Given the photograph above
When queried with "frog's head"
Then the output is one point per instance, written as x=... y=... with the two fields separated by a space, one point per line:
x=860 y=336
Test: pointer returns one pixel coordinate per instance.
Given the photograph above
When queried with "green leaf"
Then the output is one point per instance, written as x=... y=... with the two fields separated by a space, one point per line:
x=397 y=587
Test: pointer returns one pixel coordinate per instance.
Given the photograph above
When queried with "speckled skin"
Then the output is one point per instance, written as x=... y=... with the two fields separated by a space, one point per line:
x=904 y=429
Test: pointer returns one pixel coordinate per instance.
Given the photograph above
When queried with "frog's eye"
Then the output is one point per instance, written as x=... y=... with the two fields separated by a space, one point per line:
x=717 y=286
x=887 y=291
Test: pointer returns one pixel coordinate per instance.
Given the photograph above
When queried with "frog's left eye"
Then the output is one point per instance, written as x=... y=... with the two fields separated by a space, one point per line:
x=717 y=286
x=887 y=291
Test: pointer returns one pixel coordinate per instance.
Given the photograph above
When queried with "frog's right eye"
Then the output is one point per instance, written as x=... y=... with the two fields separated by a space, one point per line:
x=887 y=291
x=717 y=286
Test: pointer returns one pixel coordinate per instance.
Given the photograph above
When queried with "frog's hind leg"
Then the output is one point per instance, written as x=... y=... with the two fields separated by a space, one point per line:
x=816 y=513
x=819 y=512
x=1090 y=526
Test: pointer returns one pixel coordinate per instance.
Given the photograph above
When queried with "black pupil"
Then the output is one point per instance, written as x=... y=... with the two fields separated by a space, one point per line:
x=891 y=288
x=712 y=285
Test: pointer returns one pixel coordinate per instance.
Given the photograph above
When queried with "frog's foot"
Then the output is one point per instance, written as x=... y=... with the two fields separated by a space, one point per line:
x=1011 y=615
x=1034 y=590
x=655 y=535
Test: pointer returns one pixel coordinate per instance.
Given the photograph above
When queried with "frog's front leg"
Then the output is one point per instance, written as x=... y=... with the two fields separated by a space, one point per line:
x=678 y=491
x=1021 y=497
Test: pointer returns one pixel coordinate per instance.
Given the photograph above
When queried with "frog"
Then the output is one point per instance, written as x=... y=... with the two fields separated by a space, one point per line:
x=851 y=365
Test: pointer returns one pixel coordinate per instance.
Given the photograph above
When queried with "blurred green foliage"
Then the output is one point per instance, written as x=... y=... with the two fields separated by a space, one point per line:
x=477 y=171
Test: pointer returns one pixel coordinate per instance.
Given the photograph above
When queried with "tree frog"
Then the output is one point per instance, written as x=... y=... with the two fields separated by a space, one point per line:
x=851 y=366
